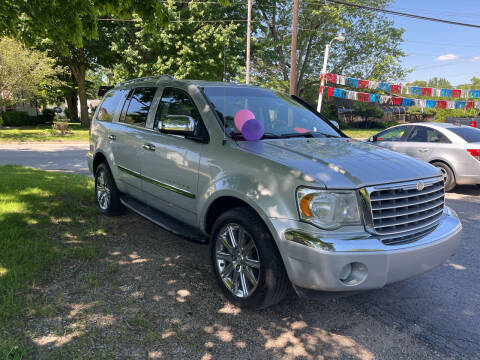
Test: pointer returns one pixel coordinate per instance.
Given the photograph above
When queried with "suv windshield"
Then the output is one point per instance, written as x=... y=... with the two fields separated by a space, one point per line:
x=280 y=115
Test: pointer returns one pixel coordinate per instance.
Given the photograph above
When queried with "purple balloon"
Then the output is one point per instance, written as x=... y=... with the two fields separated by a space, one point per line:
x=252 y=130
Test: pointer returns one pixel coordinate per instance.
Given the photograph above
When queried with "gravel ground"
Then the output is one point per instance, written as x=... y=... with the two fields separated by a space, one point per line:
x=153 y=296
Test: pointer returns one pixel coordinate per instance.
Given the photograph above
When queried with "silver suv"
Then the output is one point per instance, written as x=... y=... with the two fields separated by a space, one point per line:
x=281 y=195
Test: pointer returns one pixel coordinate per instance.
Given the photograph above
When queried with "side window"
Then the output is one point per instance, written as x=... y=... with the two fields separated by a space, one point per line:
x=109 y=104
x=137 y=105
x=394 y=134
x=425 y=134
x=176 y=102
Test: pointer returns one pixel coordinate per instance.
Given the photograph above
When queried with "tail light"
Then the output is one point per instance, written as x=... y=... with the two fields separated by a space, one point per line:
x=475 y=153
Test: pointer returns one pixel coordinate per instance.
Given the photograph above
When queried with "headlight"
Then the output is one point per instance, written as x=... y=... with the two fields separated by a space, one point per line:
x=328 y=209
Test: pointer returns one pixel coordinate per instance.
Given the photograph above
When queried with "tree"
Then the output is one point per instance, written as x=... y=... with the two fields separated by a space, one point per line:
x=65 y=27
x=371 y=49
x=440 y=83
x=366 y=110
x=25 y=74
x=420 y=83
x=194 y=44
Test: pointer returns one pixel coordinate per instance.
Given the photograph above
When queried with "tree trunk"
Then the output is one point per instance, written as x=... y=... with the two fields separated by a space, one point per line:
x=79 y=72
x=72 y=101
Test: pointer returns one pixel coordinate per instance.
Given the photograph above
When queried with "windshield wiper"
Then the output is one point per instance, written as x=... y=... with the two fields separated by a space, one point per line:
x=309 y=134
x=237 y=134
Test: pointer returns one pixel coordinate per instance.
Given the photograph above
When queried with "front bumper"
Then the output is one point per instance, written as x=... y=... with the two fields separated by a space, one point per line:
x=321 y=264
x=90 y=161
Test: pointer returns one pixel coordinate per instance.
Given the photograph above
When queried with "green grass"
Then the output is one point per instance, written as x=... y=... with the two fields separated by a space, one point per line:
x=45 y=217
x=42 y=133
x=361 y=133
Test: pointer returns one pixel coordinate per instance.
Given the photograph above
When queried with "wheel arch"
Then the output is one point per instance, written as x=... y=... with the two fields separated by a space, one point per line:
x=443 y=161
x=98 y=159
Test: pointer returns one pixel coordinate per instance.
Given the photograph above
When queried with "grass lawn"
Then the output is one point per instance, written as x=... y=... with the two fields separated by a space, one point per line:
x=361 y=133
x=42 y=133
x=45 y=217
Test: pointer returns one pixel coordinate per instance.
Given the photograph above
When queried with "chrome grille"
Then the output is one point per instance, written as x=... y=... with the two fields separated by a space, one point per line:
x=401 y=213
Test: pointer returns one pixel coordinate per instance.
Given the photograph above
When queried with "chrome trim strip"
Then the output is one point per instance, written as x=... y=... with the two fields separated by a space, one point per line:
x=156 y=182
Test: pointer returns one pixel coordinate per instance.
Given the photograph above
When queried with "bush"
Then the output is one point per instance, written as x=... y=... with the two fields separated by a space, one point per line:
x=372 y=124
x=48 y=115
x=1 y=121
x=20 y=118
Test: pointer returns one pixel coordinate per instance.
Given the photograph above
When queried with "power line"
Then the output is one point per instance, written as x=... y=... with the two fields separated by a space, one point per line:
x=391 y=12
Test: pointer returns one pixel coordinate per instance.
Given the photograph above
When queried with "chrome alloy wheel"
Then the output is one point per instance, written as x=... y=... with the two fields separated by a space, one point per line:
x=445 y=176
x=102 y=190
x=238 y=262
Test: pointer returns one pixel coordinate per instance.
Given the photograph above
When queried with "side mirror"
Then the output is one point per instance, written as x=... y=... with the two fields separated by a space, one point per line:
x=177 y=125
x=335 y=123
x=373 y=138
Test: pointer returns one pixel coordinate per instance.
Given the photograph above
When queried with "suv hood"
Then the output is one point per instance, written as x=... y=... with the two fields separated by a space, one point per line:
x=341 y=163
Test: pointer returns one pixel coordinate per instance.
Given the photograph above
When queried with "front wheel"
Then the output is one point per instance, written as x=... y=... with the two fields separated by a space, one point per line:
x=107 y=195
x=448 y=176
x=246 y=261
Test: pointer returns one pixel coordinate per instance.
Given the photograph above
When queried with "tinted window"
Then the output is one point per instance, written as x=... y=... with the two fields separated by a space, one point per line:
x=138 y=103
x=425 y=134
x=175 y=102
x=109 y=104
x=394 y=134
x=467 y=133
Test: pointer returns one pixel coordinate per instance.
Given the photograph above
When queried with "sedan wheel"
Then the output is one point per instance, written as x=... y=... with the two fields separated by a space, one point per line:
x=237 y=260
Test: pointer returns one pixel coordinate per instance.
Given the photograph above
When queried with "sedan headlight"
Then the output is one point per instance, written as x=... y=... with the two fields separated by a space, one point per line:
x=328 y=209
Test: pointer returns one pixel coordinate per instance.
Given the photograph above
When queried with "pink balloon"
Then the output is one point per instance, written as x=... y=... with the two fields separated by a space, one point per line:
x=241 y=117
x=253 y=130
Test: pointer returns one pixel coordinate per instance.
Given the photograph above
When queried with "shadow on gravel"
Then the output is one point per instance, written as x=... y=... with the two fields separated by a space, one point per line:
x=153 y=296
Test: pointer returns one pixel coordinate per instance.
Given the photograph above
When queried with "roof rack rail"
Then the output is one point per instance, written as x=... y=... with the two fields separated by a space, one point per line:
x=146 y=78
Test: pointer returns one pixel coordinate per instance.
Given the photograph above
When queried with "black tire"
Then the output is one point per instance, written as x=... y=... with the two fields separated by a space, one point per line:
x=273 y=282
x=448 y=174
x=112 y=206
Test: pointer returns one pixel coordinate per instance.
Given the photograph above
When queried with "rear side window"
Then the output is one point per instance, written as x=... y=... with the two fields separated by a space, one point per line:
x=109 y=104
x=467 y=133
x=136 y=107
x=425 y=134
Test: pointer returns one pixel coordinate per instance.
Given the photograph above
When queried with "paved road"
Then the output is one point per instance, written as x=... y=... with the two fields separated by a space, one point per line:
x=47 y=156
x=440 y=309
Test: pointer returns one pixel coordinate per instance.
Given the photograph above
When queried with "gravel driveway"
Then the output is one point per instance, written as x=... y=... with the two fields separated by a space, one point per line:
x=153 y=296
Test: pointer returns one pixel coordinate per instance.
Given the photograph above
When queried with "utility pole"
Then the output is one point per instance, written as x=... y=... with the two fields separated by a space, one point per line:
x=249 y=35
x=293 y=57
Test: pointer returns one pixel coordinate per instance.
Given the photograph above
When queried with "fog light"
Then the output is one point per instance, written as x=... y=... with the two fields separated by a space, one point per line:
x=353 y=274
x=346 y=272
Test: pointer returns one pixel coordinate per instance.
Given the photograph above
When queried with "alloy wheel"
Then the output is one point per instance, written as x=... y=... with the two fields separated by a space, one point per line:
x=237 y=260
x=103 y=190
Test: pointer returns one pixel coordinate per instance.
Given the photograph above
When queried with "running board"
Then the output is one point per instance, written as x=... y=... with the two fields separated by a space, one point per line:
x=164 y=221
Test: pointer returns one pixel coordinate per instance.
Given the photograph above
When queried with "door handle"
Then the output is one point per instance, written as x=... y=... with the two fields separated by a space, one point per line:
x=149 y=147
x=423 y=149
x=112 y=137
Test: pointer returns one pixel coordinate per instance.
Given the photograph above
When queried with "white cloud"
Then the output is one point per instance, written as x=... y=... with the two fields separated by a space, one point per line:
x=476 y=58
x=447 y=57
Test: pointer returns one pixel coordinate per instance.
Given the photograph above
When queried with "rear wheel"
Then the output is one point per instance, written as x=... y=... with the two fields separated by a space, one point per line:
x=106 y=193
x=448 y=176
x=246 y=261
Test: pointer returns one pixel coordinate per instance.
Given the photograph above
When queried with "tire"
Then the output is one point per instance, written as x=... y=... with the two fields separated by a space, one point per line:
x=107 y=196
x=253 y=275
x=448 y=174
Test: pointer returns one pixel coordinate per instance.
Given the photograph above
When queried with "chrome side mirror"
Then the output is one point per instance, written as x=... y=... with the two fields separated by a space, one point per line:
x=372 y=138
x=177 y=124
x=335 y=123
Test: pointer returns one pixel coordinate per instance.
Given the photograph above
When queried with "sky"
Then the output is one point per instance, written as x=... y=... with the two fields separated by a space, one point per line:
x=437 y=49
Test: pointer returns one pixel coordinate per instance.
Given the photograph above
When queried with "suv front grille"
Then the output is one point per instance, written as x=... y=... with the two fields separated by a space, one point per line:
x=402 y=213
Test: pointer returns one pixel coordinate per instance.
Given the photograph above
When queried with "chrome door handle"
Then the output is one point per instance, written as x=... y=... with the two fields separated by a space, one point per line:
x=423 y=150
x=112 y=137
x=149 y=147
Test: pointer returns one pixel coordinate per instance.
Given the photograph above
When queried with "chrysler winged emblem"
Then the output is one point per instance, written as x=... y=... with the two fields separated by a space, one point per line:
x=420 y=186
